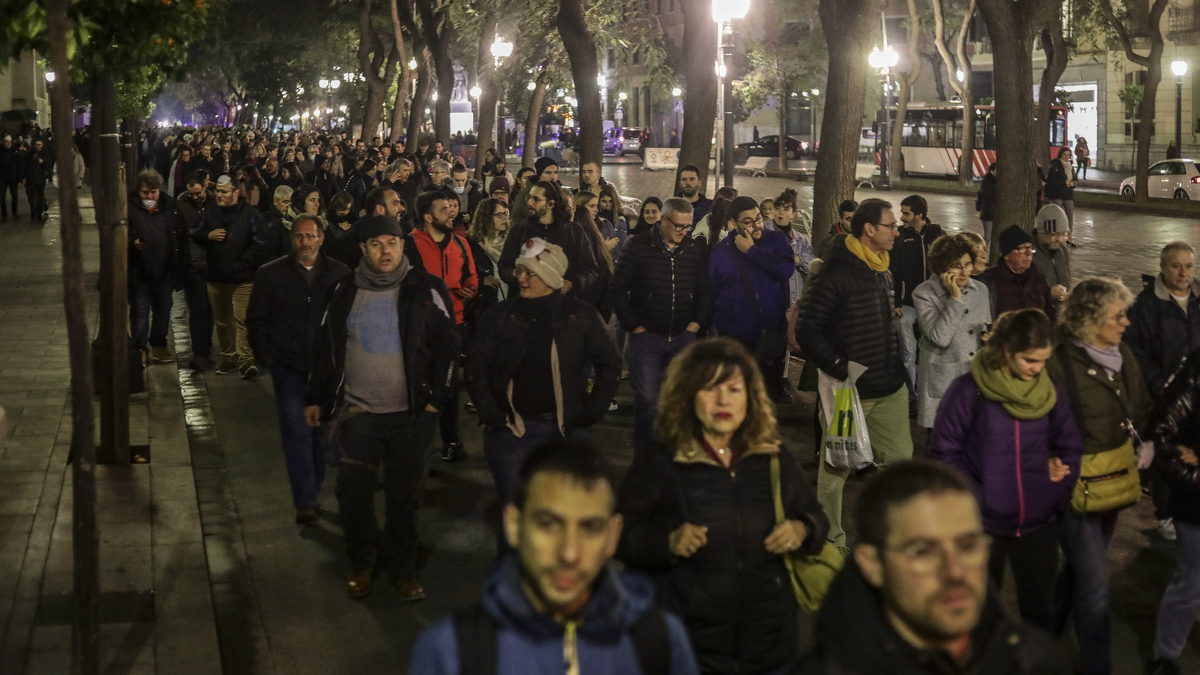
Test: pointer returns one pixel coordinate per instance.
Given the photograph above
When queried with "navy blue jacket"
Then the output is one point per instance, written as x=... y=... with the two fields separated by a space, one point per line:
x=769 y=264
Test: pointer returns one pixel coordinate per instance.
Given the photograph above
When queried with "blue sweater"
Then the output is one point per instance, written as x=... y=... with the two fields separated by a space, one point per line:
x=769 y=266
x=530 y=643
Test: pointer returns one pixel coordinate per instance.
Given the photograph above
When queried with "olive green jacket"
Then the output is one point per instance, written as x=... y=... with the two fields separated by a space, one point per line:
x=1101 y=404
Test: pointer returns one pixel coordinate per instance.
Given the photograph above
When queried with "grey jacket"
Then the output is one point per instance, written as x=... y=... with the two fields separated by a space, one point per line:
x=951 y=332
x=1056 y=268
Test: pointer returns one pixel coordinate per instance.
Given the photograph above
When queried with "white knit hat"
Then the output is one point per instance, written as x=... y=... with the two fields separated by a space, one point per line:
x=544 y=259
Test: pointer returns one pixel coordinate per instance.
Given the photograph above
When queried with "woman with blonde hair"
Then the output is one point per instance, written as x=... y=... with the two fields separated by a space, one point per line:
x=699 y=511
x=1111 y=407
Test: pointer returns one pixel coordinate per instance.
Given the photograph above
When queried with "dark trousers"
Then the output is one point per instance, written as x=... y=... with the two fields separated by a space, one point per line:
x=448 y=424
x=772 y=371
x=150 y=312
x=1082 y=587
x=7 y=188
x=1034 y=560
x=36 y=194
x=1160 y=491
x=301 y=451
x=200 y=315
x=648 y=355
x=397 y=442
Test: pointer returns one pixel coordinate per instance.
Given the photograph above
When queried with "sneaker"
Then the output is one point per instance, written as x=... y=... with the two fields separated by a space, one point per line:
x=1166 y=529
x=612 y=406
x=162 y=355
x=200 y=363
x=249 y=372
x=470 y=406
x=454 y=452
x=227 y=366
x=308 y=515
x=1162 y=667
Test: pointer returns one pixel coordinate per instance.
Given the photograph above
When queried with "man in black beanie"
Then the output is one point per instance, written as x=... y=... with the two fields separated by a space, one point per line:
x=1014 y=283
x=547 y=170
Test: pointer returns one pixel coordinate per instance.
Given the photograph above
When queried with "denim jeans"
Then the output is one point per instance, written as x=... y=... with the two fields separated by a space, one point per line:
x=399 y=443
x=301 y=451
x=150 y=312
x=200 y=315
x=908 y=342
x=1083 y=586
x=987 y=233
x=648 y=355
x=1181 y=600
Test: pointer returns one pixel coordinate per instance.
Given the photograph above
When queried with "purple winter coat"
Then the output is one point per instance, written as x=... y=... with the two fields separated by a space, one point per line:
x=1006 y=459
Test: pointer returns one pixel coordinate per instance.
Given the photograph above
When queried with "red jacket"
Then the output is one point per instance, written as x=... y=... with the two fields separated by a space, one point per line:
x=454 y=265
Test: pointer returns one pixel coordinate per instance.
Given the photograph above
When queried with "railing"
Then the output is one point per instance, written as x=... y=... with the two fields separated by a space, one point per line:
x=1183 y=19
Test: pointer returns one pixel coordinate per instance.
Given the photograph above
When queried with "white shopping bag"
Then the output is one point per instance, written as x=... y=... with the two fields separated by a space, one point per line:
x=846 y=444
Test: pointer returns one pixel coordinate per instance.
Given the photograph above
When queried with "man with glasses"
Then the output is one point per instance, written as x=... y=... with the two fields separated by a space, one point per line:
x=847 y=314
x=914 y=598
x=231 y=231
x=659 y=291
x=1014 y=283
x=286 y=305
x=749 y=273
x=1051 y=259
x=438 y=170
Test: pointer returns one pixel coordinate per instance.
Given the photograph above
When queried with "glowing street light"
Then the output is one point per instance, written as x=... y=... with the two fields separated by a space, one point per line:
x=50 y=76
x=475 y=91
x=1179 y=68
x=412 y=64
x=888 y=58
x=323 y=83
x=676 y=92
x=623 y=96
x=728 y=10
x=501 y=49
x=335 y=83
x=531 y=86
x=602 y=80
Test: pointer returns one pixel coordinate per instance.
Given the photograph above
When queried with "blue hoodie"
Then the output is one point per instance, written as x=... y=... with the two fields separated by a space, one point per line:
x=769 y=266
x=530 y=643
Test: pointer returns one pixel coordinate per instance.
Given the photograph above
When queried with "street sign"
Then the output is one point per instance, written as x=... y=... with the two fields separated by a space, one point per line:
x=678 y=106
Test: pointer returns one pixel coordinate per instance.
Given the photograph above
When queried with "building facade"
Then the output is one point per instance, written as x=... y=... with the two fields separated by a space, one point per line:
x=24 y=97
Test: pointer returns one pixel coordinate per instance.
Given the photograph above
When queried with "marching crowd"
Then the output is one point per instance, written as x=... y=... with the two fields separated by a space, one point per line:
x=377 y=282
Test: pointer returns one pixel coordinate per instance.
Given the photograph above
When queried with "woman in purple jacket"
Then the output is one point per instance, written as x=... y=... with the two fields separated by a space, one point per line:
x=1009 y=429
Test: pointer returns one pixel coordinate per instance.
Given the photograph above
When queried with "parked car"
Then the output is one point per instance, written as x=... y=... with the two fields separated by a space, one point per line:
x=1169 y=179
x=621 y=140
x=768 y=146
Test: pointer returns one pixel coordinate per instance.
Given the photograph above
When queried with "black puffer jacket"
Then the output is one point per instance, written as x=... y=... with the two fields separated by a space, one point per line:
x=234 y=259
x=11 y=169
x=582 y=270
x=157 y=261
x=581 y=341
x=1159 y=333
x=734 y=596
x=285 y=311
x=192 y=256
x=659 y=288
x=846 y=315
x=427 y=332
x=909 y=266
x=1056 y=181
x=854 y=637
x=1175 y=423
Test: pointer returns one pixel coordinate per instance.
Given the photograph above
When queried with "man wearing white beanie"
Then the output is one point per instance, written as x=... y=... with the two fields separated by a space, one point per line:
x=1051 y=257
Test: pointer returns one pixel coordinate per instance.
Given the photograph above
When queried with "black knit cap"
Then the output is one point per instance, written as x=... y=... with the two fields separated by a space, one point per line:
x=375 y=226
x=1013 y=238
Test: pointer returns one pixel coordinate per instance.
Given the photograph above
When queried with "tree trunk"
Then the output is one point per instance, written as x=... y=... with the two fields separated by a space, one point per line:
x=581 y=48
x=849 y=27
x=960 y=62
x=700 y=103
x=485 y=68
x=444 y=67
x=85 y=641
x=129 y=152
x=1013 y=26
x=400 y=105
x=417 y=109
x=1051 y=39
x=532 y=118
x=377 y=86
x=895 y=167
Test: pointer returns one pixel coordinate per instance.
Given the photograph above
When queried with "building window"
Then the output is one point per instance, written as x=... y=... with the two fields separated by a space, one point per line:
x=637 y=56
x=659 y=7
x=672 y=6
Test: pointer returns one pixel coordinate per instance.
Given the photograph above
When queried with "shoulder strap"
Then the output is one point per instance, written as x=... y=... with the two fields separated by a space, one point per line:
x=746 y=282
x=1069 y=381
x=776 y=492
x=652 y=642
x=475 y=636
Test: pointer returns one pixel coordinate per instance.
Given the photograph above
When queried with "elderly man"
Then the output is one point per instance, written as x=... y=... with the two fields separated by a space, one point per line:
x=1014 y=283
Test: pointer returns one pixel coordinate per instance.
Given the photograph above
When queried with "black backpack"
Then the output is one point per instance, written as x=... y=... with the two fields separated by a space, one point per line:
x=475 y=632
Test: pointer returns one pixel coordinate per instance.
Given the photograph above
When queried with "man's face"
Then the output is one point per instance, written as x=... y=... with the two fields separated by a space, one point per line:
x=377 y=141
x=1020 y=258
x=185 y=156
x=206 y=151
x=439 y=148
x=550 y=174
x=271 y=166
x=196 y=192
x=405 y=171
x=385 y=151
x=306 y=240
x=689 y=183
x=883 y=236
x=227 y=195
x=37 y=146
x=281 y=205
x=1051 y=241
x=360 y=146
x=460 y=179
x=439 y=216
x=590 y=174
x=564 y=536
x=146 y=192
x=907 y=216
x=392 y=206
x=1177 y=271
x=932 y=572
x=750 y=223
x=501 y=195
x=225 y=147
x=383 y=253
x=539 y=206
x=844 y=220
x=436 y=175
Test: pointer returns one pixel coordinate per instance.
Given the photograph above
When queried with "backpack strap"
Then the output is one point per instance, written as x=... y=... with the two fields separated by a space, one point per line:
x=652 y=642
x=475 y=637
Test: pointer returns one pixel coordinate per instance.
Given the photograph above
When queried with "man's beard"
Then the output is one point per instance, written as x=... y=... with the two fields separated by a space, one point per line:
x=690 y=191
x=445 y=228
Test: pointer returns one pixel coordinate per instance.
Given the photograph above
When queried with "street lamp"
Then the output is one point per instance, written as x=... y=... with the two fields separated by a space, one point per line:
x=724 y=12
x=883 y=62
x=501 y=49
x=50 y=76
x=1179 y=68
x=623 y=96
x=531 y=86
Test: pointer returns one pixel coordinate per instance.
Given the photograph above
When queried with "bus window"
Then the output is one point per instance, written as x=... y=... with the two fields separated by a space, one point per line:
x=937 y=133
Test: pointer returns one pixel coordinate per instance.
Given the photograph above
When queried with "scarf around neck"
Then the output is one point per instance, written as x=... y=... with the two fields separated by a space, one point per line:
x=1024 y=400
x=878 y=262
x=370 y=280
x=1110 y=359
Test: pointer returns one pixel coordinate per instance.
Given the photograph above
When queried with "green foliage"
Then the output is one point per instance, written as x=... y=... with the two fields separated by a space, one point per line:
x=136 y=93
x=795 y=60
x=1131 y=95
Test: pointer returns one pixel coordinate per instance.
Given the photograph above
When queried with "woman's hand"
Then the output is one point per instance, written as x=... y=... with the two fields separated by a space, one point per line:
x=786 y=537
x=611 y=244
x=1058 y=470
x=1188 y=455
x=950 y=282
x=687 y=539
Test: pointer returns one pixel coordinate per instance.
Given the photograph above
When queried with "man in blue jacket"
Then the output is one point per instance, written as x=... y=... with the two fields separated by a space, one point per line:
x=748 y=276
x=555 y=605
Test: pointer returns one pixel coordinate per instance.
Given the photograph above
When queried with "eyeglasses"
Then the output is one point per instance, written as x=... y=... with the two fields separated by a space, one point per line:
x=928 y=556
x=1026 y=249
x=677 y=226
x=305 y=236
x=894 y=227
x=750 y=223
x=960 y=267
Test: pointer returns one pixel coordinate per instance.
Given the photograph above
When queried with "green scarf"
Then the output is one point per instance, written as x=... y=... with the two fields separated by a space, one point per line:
x=1024 y=400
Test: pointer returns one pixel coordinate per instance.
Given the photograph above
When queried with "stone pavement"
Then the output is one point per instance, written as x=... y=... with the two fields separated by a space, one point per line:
x=207 y=526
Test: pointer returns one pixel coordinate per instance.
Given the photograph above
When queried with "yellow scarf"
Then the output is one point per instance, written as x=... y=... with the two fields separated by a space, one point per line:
x=876 y=261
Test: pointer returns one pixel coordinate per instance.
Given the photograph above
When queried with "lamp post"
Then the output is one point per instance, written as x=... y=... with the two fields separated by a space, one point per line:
x=602 y=82
x=884 y=61
x=677 y=92
x=724 y=12
x=500 y=50
x=1179 y=68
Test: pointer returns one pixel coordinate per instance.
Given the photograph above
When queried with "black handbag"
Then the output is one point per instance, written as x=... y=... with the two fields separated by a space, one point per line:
x=771 y=344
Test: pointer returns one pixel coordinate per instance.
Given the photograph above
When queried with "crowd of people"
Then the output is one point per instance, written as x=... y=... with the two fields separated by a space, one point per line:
x=378 y=282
